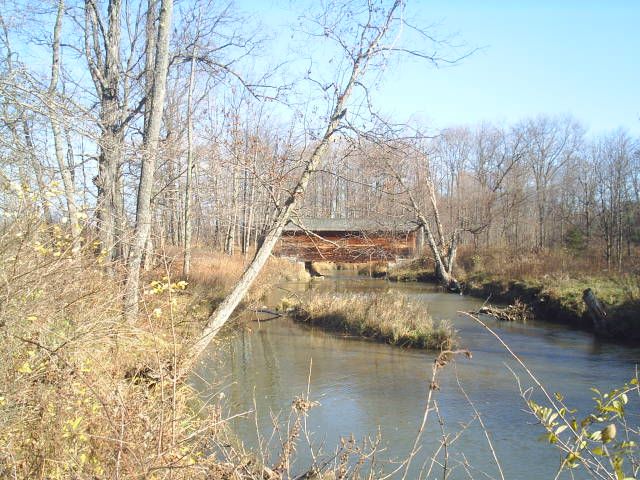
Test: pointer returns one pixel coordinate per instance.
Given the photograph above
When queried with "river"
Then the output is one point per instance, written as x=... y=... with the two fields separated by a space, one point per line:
x=365 y=387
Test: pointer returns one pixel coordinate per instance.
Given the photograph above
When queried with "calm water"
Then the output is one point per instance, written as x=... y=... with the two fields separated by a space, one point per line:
x=365 y=387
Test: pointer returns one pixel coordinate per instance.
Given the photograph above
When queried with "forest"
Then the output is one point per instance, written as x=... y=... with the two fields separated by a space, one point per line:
x=227 y=147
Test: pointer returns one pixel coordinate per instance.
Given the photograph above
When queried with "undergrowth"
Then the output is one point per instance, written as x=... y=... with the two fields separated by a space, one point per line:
x=84 y=394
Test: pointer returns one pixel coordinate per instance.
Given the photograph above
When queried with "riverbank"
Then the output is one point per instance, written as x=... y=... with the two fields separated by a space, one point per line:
x=559 y=299
x=554 y=297
x=84 y=394
x=386 y=317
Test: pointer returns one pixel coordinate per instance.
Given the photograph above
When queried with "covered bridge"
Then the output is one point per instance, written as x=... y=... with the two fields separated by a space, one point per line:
x=349 y=240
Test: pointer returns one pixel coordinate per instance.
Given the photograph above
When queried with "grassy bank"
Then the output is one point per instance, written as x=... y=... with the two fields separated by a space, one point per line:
x=552 y=284
x=559 y=298
x=388 y=317
x=419 y=270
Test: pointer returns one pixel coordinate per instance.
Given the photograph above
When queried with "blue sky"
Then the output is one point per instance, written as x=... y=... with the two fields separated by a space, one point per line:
x=536 y=57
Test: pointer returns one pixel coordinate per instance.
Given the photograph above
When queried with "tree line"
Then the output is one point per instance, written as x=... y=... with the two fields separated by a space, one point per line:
x=142 y=125
x=537 y=185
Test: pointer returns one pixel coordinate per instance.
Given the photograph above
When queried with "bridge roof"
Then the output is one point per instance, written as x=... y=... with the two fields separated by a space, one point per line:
x=351 y=225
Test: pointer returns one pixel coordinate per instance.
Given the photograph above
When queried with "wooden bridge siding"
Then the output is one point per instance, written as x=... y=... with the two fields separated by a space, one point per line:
x=346 y=247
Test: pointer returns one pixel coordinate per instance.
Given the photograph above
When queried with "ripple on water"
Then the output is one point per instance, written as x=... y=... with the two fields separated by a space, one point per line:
x=364 y=386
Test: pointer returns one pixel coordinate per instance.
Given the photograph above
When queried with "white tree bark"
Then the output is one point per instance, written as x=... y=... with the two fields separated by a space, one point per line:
x=151 y=140
x=187 y=188
x=442 y=269
x=65 y=170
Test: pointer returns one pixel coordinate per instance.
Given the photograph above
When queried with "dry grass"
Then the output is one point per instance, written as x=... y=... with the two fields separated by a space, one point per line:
x=214 y=273
x=557 y=274
x=388 y=317
x=559 y=262
x=84 y=394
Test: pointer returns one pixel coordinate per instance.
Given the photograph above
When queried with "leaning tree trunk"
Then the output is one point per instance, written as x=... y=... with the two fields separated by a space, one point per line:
x=222 y=314
x=226 y=308
x=151 y=140
x=442 y=263
x=442 y=272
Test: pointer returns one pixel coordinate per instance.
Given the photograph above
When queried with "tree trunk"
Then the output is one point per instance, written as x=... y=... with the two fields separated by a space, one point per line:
x=223 y=312
x=37 y=169
x=230 y=238
x=120 y=249
x=451 y=258
x=65 y=171
x=419 y=242
x=186 y=266
x=596 y=311
x=105 y=73
x=151 y=140
x=247 y=240
x=150 y=56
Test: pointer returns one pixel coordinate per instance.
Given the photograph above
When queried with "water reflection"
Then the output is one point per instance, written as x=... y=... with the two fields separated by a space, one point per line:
x=363 y=386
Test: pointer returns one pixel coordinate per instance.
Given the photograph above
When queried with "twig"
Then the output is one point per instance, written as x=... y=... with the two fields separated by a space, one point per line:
x=484 y=428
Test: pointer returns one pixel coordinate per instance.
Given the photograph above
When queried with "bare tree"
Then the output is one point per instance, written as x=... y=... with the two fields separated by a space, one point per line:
x=150 y=151
x=377 y=26
x=551 y=144
x=190 y=166
x=443 y=252
x=102 y=46
x=66 y=171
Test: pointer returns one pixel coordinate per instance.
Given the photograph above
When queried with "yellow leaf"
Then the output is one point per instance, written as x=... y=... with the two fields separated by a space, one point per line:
x=25 y=368
x=608 y=433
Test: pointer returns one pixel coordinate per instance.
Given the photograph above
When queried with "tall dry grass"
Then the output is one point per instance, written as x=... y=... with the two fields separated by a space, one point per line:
x=84 y=394
x=218 y=273
x=557 y=262
x=387 y=317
